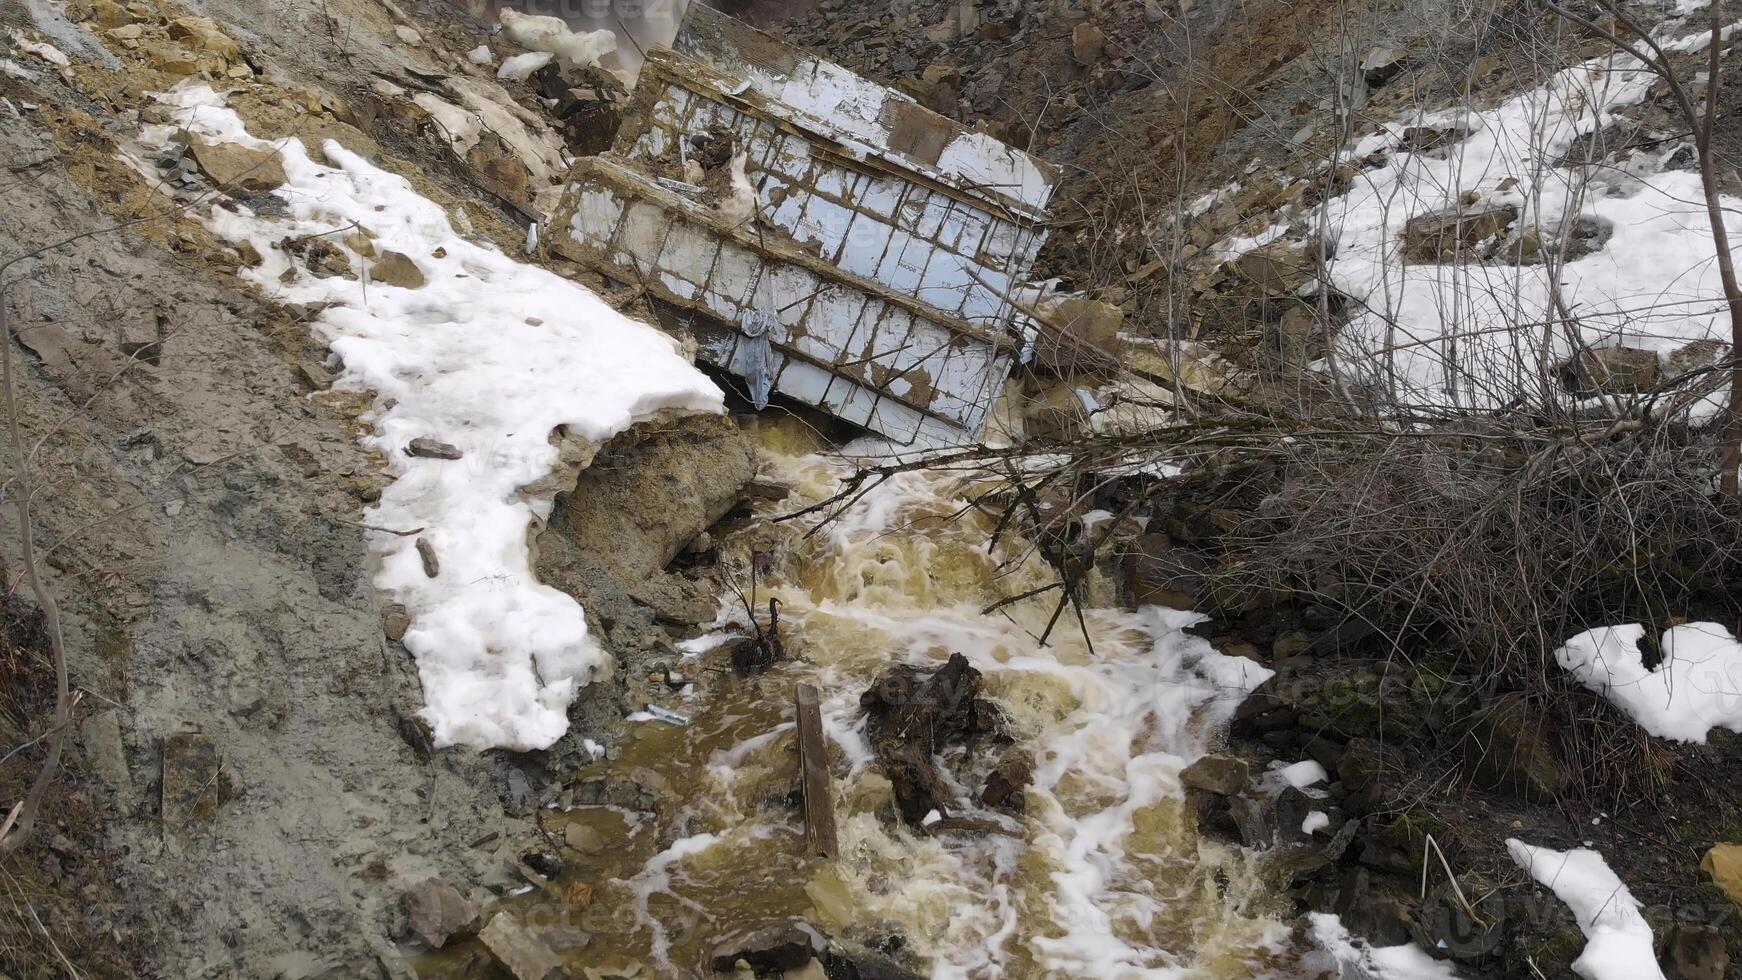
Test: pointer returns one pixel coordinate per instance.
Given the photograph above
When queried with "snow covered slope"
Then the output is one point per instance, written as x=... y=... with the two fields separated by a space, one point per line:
x=488 y=355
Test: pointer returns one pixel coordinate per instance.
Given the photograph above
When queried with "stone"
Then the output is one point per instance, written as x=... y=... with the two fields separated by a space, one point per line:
x=397 y=269
x=175 y=59
x=937 y=88
x=1088 y=44
x=1454 y=233
x=1508 y=751
x=1278 y=269
x=104 y=754
x=1418 y=139
x=1058 y=413
x=520 y=950
x=194 y=782
x=1081 y=334
x=1006 y=783
x=584 y=838
x=1723 y=866
x=650 y=492
x=769 y=950
x=1217 y=774
x=436 y=912
x=426 y=553
x=1697 y=354
x=409 y=35
x=315 y=375
x=1381 y=65
x=203 y=34
x=235 y=168
x=109 y=15
x=1612 y=371
x=395 y=620
x=501 y=169
x=1254 y=821
x=1694 y=952
x=424 y=447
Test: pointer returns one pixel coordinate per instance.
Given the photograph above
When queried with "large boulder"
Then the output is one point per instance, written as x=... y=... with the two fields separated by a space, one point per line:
x=652 y=490
x=1081 y=334
x=238 y=169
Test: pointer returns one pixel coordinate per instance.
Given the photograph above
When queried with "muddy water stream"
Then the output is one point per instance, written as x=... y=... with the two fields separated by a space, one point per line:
x=1102 y=875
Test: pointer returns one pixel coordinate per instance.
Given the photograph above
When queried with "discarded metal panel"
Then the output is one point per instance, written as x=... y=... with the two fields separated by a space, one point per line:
x=874 y=282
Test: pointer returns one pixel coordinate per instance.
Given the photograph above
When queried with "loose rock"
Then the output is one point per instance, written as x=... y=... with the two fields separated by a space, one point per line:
x=520 y=950
x=238 y=169
x=427 y=448
x=436 y=912
x=397 y=269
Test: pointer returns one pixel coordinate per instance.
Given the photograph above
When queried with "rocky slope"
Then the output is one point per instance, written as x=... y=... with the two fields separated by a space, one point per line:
x=251 y=791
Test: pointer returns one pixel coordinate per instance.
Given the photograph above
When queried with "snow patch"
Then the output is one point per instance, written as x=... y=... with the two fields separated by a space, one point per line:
x=520 y=67
x=1697 y=687
x=1470 y=333
x=552 y=36
x=1347 y=956
x=45 y=51
x=1617 y=938
x=491 y=356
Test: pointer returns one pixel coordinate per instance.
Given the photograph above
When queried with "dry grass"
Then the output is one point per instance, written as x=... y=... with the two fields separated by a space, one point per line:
x=53 y=888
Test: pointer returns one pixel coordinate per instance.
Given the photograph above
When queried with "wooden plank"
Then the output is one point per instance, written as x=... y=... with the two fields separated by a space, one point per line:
x=813 y=764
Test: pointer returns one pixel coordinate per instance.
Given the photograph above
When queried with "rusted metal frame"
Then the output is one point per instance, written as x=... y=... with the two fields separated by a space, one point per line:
x=690 y=74
x=631 y=184
x=825 y=148
x=658 y=291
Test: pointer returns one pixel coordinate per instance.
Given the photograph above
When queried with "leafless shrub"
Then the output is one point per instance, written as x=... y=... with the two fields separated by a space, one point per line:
x=1484 y=550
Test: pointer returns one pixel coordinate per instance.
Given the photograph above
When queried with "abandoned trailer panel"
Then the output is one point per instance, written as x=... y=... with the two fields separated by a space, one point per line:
x=872 y=278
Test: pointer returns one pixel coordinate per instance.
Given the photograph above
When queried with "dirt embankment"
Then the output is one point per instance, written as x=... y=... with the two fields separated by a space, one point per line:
x=250 y=792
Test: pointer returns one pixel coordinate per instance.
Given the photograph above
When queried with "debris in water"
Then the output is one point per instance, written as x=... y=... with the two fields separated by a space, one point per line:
x=1004 y=786
x=436 y=912
x=813 y=764
x=520 y=950
x=912 y=715
x=656 y=713
x=771 y=950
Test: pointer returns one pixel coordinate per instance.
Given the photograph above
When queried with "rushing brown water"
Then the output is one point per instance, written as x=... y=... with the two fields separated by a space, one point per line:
x=1103 y=875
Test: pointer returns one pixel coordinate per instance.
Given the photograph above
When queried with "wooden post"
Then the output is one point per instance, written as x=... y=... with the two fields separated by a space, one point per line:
x=813 y=765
